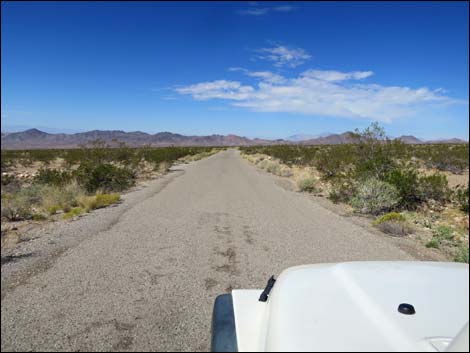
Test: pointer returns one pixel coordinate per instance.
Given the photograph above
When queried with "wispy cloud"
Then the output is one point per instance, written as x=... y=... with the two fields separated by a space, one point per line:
x=281 y=55
x=259 y=11
x=321 y=93
x=331 y=76
x=256 y=10
x=284 y=8
x=221 y=89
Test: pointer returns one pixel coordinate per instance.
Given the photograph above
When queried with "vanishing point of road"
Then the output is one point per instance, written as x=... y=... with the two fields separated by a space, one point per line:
x=143 y=276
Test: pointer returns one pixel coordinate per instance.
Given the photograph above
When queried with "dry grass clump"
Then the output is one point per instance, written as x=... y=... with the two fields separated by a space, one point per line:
x=394 y=224
x=308 y=184
x=99 y=200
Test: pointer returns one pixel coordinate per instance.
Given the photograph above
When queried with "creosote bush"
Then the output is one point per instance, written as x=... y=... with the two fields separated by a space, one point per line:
x=52 y=177
x=105 y=177
x=374 y=196
x=308 y=184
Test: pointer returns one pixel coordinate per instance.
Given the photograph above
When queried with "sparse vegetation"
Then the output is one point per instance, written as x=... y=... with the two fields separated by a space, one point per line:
x=75 y=181
x=375 y=175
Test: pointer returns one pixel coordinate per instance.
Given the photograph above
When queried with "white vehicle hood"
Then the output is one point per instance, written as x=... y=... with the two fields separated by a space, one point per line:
x=354 y=307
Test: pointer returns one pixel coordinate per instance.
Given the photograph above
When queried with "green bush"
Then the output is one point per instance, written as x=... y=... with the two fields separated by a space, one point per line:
x=374 y=196
x=461 y=197
x=434 y=187
x=461 y=254
x=52 y=177
x=105 y=177
x=433 y=243
x=443 y=233
x=407 y=184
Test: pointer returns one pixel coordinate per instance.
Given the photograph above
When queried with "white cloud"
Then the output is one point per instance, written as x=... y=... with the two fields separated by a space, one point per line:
x=221 y=89
x=321 y=93
x=264 y=75
x=267 y=76
x=284 y=8
x=261 y=11
x=330 y=75
x=284 y=56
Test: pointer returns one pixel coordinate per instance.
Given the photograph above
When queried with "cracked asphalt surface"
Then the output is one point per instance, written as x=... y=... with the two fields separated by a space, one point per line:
x=143 y=276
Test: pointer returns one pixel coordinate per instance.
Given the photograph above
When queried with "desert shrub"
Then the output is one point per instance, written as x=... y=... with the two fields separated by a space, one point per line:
x=393 y=223
x=274 y=168
x=286 y=171
x=52 y=177
x=74 y=212
x=308 y=184
x=395 y=228
x=433 y=187
x=461 y=254
x=375 y=153
x=54 y=199
x=18 y=206
x=87 y=202
x=10 y=184
x=342 y=190
x=163 y=167
x=7 y=179
x=443 y=233
x=374 y=196
x=38 y=217
x=335 y=161
x=444 y=157
x=461 y=197
x=103 y=200
x=389 y=217
x=105 y=177
x=263 y=163
x=99 y=200
x=407 y=183
x=433 y=243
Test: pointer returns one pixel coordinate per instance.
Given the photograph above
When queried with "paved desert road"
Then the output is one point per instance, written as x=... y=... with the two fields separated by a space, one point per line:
x=147 y=280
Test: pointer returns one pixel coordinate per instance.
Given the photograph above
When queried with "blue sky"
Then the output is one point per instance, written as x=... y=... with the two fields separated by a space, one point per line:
x=258 y=69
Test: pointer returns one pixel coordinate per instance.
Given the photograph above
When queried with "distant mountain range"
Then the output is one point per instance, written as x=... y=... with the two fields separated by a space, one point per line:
x=303 y=137
x=35 y=139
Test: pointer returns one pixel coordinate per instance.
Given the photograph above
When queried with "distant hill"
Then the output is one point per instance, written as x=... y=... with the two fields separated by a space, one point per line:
x=333 y=139
x=35 y=139
x=409 y=139
x=304 y=137
x=414 y=140
x=453 y=141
